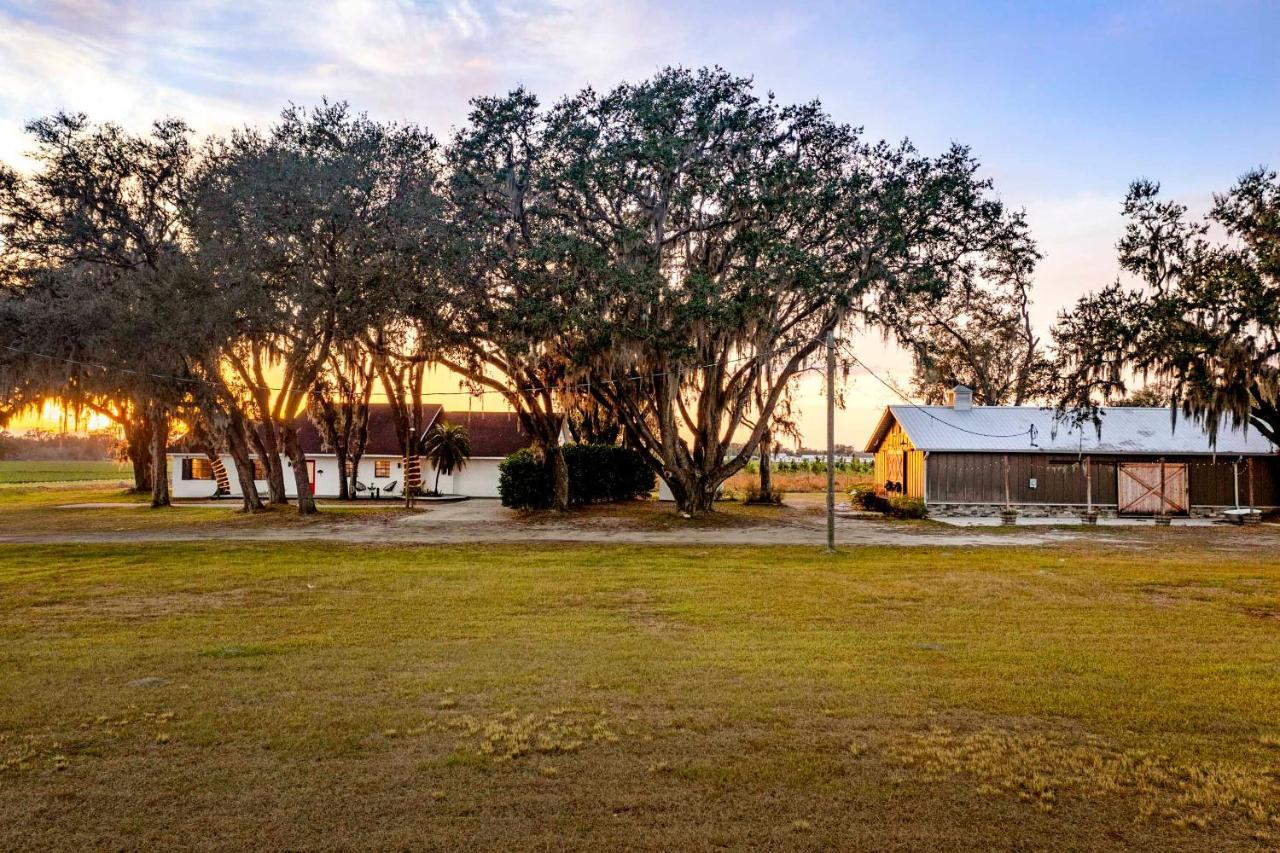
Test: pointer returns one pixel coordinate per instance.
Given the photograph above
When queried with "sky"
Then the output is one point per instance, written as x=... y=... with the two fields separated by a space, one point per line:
x=1064 y=102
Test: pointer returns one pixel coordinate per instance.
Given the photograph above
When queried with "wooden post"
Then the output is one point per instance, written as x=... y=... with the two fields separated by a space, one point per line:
x=1089 y=517
x=1235 y=473
x=831 y=442
x=1006 y=482
x=1249 y=471
x=1007 y=516
x=1163 y=516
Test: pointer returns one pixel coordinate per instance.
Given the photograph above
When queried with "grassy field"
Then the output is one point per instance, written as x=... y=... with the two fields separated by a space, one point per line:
x=19 y=471
x=236 y=696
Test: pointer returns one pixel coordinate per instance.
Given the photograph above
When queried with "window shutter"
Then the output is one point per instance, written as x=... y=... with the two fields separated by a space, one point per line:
x=186 y=468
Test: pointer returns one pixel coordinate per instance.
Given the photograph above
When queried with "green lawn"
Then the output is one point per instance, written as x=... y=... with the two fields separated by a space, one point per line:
x=317 y=695
x=19 y=471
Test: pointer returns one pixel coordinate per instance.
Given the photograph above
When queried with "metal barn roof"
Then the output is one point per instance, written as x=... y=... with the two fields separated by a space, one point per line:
x=1029 y=429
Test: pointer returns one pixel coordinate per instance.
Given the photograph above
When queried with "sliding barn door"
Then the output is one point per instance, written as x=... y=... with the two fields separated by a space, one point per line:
x=1141 y=493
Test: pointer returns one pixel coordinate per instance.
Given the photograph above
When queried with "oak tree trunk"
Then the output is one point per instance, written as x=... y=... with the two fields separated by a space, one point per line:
x=137 y=437
x=340 y=451
x=159 y=419
x=264 y=440
x=766 y=465
x=238 y=447
x=306 y=500
x=559 y=478
x=352 y=489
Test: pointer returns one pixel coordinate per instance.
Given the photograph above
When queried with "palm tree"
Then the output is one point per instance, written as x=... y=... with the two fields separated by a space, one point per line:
x=447 y=447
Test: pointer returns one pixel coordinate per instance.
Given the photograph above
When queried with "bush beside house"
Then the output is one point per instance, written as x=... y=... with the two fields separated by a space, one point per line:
x=901 y=506
x=898 y=506
x=597 y=473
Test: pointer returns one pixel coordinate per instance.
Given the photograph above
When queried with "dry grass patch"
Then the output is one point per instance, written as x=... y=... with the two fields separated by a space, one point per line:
x=795 y=482
x=1041 y=767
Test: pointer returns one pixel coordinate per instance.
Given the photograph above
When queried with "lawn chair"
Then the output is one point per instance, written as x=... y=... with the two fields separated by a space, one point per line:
x=390 y=488
x=360 y=488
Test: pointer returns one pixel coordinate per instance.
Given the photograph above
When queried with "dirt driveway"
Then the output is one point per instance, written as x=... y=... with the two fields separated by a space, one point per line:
x=801 y=522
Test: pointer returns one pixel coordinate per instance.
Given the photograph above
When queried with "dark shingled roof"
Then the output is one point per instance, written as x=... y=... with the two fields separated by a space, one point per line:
x=382 y=431
x=493 y=434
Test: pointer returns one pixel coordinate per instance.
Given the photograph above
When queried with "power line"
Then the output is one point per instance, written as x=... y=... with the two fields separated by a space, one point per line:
x=576 y=387
x=535 y=389
x=1030 y=431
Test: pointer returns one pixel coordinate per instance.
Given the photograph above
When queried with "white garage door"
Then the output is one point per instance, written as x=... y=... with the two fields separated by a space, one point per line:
x=478 y=480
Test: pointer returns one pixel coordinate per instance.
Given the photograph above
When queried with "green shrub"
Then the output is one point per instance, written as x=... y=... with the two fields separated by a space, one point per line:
x=864 y=495
x=597 y=473
x=901 y=506
x=524 y=482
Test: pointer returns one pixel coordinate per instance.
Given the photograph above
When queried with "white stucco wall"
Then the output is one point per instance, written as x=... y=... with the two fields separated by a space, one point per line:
x=478 y=480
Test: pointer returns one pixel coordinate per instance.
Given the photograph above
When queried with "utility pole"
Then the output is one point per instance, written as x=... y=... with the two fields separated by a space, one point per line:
x=831 y=441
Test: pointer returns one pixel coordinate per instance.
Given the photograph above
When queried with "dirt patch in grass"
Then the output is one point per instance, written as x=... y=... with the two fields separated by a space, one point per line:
x=1266 y=614
x=129 y=607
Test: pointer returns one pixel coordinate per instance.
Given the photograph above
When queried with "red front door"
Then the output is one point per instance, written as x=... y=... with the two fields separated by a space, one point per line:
x=311 y=474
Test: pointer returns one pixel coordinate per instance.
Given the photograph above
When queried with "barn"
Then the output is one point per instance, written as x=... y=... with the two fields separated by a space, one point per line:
x=963 y=459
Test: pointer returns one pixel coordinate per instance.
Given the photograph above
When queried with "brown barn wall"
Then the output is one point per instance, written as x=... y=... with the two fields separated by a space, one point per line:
x=979 y=478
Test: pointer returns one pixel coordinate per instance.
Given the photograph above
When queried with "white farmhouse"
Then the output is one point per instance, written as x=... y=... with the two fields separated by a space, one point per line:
x=494 y=436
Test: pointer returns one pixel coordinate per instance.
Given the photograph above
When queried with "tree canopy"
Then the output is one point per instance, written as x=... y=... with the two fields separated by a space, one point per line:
x=657 y=262
x=1203 y=322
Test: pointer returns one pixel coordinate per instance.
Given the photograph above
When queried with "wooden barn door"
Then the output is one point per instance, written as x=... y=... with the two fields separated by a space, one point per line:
x=1139 y=488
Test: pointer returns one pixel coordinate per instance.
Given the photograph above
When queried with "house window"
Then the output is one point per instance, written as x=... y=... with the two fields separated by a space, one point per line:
x=350 y=467
x=198 y=469
x=259 y=470
x=382 y=467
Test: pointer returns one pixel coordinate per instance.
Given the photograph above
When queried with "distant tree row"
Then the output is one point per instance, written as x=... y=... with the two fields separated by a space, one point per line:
x=49 y=445
x=813 y=466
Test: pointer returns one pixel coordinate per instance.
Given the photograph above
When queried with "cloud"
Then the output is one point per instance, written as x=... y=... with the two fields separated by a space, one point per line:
x=221 y=65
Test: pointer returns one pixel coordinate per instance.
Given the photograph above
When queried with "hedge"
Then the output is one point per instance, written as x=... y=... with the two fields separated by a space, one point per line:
x=597 y=473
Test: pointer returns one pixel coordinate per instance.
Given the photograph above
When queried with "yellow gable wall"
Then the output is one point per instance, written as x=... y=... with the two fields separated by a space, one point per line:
x=897 y=461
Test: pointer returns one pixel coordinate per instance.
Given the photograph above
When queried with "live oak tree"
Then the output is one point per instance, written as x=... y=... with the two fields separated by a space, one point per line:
x=514 y=299
x=92 y=239
x=708 y=239
x=662 y=260
x=980 y=334
x=32 y=322
x=1204 y=321
x=339 y=407
x=303 y=227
